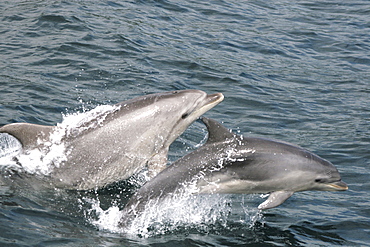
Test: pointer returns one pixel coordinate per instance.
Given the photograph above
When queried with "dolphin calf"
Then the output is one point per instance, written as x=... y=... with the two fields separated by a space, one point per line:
x=118 y=143
x=229 y=163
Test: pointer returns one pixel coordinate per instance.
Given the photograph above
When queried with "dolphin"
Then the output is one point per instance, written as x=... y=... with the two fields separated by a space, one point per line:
x=119 y=143
x=229 y=163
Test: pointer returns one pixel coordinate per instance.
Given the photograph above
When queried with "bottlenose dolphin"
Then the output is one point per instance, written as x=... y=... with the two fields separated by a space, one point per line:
x=229 y=163
x=119 y=143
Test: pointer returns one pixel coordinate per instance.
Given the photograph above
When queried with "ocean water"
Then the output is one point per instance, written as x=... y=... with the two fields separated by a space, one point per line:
x=297 y=71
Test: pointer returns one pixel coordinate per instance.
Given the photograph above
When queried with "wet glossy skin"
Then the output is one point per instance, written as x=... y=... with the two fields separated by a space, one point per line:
x=136 y=135
x=229 y=163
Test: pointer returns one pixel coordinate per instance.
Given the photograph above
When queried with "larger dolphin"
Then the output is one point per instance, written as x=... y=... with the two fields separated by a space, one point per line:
x=229 y=163
x=137 y=133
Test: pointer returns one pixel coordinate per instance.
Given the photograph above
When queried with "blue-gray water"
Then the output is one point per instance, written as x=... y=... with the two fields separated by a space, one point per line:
x=298 y=71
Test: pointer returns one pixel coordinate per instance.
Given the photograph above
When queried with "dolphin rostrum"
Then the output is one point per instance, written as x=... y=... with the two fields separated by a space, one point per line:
x=229 y=163
x=118 y=143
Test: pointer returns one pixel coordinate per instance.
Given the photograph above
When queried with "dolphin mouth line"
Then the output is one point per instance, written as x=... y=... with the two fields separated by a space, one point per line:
x=211 y=101
x=218 y=97
x=339 y=185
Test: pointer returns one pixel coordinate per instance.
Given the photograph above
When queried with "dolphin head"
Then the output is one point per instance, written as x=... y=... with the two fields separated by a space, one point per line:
x=173 y=112
x=276 y=165
x=319 y=174
x=258 y=165
x=156 y=120
x=188 y=105
x=293 y=171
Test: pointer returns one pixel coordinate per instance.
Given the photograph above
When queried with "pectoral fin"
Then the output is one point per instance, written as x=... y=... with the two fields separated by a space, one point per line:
x=275 y=199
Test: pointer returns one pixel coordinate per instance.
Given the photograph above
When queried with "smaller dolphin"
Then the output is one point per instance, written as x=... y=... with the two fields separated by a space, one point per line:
x=229 y=163
x=113 y=146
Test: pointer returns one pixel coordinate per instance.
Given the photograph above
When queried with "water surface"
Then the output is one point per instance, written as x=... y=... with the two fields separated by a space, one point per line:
x=297 y=71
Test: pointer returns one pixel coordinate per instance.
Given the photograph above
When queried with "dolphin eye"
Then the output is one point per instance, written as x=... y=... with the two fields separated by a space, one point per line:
x=320 y=180
x=185 y=115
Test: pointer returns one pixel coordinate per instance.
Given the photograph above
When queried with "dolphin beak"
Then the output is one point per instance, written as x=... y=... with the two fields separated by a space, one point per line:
x=209 y=102
x=214 y=99
x=338 y=186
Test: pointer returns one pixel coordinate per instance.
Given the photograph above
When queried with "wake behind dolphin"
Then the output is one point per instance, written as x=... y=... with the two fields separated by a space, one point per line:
x=114 y=142
x=229 y=163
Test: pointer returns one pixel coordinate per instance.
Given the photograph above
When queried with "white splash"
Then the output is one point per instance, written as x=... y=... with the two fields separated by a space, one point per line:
x=184 y=208
x=159 y=218
x=9 y=145
x=75 y=123
x=9 y=148
x=204 y=213
x=103 y=219
x=53 y=152
x=251 y=214
x=194 y=211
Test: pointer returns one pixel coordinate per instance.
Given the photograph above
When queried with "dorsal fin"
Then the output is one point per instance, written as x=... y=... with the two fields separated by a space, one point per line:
x=216 y=131
x=26 y=133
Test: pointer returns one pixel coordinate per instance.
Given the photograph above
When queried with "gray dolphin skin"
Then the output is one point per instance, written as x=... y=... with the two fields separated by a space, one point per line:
x=136 y=135
x=229 y=163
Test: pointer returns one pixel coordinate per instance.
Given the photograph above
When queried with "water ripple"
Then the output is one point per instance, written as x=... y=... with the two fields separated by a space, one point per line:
x=296 y=71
